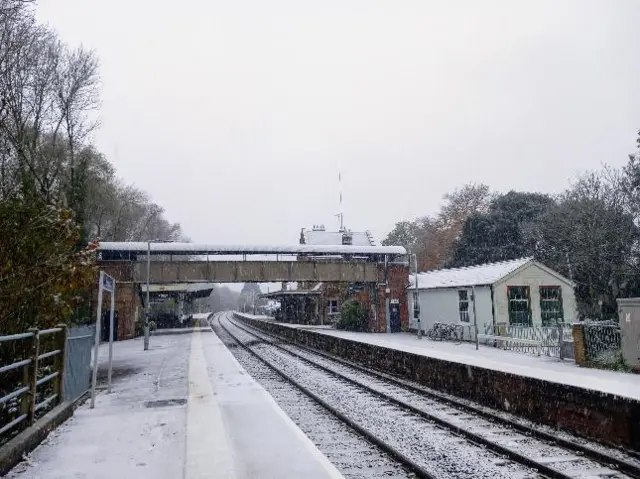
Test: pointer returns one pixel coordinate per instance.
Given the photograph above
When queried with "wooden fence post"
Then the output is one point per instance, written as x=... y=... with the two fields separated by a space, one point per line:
x=60 y=361
x=33 y=375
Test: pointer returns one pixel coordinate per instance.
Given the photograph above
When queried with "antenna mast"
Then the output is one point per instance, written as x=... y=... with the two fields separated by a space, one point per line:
x=341 y=214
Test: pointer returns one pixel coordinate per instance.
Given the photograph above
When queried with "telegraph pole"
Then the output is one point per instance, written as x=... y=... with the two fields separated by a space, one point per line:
x=147 y=310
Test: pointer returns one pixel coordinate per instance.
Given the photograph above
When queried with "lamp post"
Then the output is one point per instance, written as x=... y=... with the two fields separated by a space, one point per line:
x=147 y=310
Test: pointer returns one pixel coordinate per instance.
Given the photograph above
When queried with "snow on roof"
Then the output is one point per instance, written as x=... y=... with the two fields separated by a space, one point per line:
x=198 y=249
x=484 y=274
x=321 y=237
x=176 y=287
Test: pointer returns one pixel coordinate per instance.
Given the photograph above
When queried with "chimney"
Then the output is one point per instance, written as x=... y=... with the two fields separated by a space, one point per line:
x=347 y=238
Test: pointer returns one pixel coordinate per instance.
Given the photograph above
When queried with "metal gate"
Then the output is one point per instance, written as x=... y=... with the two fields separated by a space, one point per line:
x=77 y=368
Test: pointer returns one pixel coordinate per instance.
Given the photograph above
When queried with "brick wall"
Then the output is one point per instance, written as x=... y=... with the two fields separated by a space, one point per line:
x=396 y=279
x=604 y=417
x=127 y=299
x=579 y=346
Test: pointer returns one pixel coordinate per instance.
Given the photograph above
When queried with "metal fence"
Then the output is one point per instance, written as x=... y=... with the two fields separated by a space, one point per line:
x=31 y=377
x=39 y=370
x=77 y=369
x=603 y=342
x=553 y=341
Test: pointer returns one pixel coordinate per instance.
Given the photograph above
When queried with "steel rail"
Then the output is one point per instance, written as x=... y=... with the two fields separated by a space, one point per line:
x=399 y=456
x=586 y=450
x=628 y=468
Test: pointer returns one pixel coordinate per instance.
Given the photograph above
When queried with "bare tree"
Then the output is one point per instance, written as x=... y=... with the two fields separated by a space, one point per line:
x=76 y=96
x=49 y=93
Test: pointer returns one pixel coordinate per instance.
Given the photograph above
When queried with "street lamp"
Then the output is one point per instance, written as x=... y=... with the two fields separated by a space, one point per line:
x=147 y=309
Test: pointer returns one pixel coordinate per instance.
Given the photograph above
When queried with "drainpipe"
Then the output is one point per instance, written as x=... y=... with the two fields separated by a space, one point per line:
x=475 y=317
x=417 y=296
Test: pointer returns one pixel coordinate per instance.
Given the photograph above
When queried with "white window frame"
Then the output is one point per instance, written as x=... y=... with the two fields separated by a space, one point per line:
x=330 y=303
x=463 y=315
x=556 y=313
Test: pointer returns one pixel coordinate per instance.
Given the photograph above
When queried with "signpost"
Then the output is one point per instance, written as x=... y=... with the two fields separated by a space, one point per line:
x=108 y=284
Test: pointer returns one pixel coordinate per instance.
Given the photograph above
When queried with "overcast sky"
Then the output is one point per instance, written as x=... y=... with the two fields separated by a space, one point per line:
x=236 y=115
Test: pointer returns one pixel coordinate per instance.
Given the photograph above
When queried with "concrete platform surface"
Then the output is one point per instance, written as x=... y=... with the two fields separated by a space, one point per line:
x=183 y=409
x=539 y=367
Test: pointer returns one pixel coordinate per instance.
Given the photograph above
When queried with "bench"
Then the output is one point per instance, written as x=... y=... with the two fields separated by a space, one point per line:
x=509 y=339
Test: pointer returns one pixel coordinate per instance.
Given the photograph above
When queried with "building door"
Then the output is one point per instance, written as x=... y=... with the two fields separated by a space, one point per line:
x=394 y=315
x=106 y=319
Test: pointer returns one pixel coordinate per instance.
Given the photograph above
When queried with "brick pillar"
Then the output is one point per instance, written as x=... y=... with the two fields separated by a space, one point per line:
x=579 y=346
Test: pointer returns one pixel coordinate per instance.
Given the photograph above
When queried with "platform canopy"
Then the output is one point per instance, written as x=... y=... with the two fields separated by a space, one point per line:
x=291 y=293
x=140 y=248
x=193 y=290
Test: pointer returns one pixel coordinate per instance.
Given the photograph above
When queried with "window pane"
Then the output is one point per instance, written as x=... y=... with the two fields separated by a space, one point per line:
x=519 y=305
x=463 y=305
x=551 y=310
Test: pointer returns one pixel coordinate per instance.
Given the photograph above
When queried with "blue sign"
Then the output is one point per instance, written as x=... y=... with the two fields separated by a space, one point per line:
x=108 y=283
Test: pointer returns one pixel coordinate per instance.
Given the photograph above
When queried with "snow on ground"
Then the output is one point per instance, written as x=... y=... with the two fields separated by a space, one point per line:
x=184 y=408
x=549 y=369
x=256 y=316
x=122 y=437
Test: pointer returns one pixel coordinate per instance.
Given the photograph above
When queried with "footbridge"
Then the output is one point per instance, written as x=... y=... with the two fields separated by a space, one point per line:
x=187 y=262
x=381 y=273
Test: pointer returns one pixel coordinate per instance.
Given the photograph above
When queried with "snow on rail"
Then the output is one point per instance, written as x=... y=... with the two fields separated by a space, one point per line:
x=544 y=368
x=198 y=248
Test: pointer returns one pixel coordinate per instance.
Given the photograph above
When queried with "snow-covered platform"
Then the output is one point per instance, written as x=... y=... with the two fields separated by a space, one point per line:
x=545 y=368
x=183 y=409
x=600 y=405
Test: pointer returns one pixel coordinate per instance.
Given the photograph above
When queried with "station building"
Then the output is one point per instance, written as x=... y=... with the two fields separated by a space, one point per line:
x=320 y=303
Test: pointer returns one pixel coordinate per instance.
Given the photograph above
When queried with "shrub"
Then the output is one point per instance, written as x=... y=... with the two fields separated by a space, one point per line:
x=611 y=360
x=44 y=275
x=354 y=316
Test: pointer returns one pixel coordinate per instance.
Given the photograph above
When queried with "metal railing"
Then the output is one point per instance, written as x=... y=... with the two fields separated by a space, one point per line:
x=550 y=340
x=37 y=384
x=603 y=341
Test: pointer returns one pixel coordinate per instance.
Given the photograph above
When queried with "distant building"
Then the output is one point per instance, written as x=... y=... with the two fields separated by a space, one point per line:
x=320 y=302
x=521 y=291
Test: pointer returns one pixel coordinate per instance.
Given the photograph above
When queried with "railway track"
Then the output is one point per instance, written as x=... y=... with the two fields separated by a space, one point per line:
x=430 y=436
x=355 y=456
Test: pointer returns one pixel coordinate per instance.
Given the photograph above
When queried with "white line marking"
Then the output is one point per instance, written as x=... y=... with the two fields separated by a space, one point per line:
x=328 y=466
x=208 y=454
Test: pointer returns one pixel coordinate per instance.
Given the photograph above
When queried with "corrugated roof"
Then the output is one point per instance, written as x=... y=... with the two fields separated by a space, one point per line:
x=326 y=238
x=483 y=274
